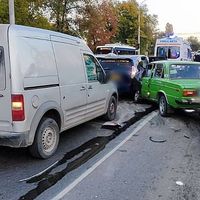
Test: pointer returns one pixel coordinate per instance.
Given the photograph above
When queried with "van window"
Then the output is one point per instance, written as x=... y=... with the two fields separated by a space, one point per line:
x=171 y=52
x=2 y=70
x=94 y=70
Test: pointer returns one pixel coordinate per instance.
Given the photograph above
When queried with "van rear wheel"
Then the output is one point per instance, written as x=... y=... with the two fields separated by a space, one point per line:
x=46 y=139
x=112 y=109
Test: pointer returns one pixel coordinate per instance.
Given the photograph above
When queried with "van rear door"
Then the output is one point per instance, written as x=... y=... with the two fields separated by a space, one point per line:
x=5 y=96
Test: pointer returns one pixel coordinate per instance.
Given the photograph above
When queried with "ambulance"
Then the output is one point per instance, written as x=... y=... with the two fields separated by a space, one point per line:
x=173 y=48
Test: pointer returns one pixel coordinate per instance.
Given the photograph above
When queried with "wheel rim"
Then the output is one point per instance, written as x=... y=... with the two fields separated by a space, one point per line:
x=112 y=108
x=49 y=139
x=162 y=105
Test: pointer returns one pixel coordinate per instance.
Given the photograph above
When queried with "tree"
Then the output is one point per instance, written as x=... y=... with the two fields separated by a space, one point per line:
x=128 y=25
x=97 y=22
x=127 y=22
x=27 y=12
x=61 y=13
x=195 y=43
x=148 y=32
x=169 y=29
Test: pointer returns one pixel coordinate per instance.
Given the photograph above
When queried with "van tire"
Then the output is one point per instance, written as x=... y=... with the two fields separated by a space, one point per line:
x=112 y=109
x=46 y=139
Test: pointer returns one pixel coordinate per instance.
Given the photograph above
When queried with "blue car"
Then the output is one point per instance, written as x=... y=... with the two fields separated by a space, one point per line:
x=122 y=69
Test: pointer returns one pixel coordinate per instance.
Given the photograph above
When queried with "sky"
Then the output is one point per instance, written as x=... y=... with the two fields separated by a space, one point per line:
x=184 y=15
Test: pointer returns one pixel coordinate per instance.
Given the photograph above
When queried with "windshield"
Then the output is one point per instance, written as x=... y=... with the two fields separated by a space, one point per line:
x=109 y=64
x=2 y=70
x=171 y=52
x=185 y=71
x=103 y=50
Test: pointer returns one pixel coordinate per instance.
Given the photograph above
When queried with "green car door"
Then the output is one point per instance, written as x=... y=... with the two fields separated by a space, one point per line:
x=152 y=84
x=146 y=81
x=156 y=81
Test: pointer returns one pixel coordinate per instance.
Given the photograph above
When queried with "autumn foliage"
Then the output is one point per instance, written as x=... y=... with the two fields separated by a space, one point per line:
x=97 y=21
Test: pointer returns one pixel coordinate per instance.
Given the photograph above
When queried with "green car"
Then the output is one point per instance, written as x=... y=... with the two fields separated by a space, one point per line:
x=173 y=84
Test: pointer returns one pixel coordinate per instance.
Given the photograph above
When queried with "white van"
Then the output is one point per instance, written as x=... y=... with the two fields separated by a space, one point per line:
x=173 y=48
x=118 y=49
x=49 y=82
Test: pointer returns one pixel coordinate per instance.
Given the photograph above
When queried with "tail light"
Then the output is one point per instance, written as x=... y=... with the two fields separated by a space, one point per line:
x=18 y=107
x=189 y=93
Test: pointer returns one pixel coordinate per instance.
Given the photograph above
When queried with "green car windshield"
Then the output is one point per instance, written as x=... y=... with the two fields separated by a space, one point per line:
x=184 y=71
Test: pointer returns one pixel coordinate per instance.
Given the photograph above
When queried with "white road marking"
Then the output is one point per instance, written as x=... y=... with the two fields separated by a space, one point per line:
x=98 y=163
x=26 y=179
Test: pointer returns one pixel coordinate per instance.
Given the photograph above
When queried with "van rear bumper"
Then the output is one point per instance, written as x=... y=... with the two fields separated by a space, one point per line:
x=12 y=139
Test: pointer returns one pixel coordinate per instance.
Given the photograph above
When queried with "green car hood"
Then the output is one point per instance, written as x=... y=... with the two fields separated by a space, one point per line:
x=187 y=83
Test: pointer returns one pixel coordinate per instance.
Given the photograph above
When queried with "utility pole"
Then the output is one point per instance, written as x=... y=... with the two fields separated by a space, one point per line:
x=139 y=16
x=11 y=12
x=139 y=32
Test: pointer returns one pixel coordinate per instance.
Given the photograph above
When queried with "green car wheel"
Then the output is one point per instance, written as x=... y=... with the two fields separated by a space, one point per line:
x=163 y=106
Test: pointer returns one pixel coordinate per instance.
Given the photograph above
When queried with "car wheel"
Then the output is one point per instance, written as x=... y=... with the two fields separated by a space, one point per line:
x=112 y=109
x=46 y=139
x=136 y=96
x=163 y=106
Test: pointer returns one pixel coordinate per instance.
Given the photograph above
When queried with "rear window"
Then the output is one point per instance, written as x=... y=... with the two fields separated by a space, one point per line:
x=124 y=51
x=103 y=50
x=185 y=71
x=115 y=63
x=2 y=70
x=171 y=52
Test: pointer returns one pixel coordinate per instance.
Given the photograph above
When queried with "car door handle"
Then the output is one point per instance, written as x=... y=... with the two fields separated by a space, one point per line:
x=90 y=87
x=1 y=95
x=82 y=88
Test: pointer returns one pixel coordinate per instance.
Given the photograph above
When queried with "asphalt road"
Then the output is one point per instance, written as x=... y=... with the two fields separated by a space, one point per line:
x=160 y=162
x=146 y=167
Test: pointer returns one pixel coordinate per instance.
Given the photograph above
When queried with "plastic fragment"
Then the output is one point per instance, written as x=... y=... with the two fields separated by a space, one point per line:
x=158 y=141
x=179 y=183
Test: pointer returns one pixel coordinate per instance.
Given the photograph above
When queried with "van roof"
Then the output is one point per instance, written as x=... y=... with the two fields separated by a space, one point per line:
x=39 y=33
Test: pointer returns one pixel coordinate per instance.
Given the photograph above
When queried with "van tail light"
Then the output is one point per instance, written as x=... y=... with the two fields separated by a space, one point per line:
x=189 y=93
x=18 y=107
